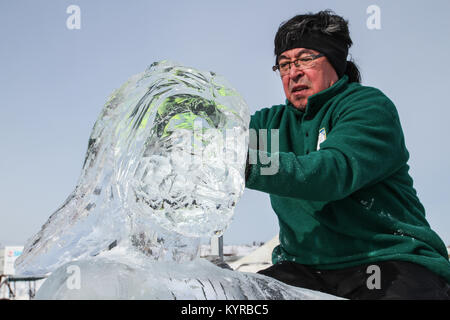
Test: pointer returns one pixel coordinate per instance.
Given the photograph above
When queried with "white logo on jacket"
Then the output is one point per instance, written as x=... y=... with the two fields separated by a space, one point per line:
x=322 y=137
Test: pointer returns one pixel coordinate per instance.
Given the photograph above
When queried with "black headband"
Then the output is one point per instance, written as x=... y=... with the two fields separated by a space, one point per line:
x=336 y=51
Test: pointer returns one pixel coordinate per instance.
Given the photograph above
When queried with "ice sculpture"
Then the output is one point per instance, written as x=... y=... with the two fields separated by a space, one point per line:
x=164 y=166
x=133 y=276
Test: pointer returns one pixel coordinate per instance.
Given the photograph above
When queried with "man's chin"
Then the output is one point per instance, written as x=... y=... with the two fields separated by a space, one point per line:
x=299 y=104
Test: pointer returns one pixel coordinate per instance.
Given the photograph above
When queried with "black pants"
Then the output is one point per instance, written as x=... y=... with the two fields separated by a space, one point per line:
x=381 y=280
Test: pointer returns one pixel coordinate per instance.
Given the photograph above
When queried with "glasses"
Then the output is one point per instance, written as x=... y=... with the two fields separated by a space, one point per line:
x=302 y=63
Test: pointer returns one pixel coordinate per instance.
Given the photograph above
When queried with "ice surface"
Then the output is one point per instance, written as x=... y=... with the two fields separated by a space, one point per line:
x=164 y=166
x=131 y=275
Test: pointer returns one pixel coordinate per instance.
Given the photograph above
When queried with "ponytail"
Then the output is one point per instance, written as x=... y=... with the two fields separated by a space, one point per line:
x=352 y=72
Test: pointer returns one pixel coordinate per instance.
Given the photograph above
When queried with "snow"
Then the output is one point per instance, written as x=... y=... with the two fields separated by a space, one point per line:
x=258 y=259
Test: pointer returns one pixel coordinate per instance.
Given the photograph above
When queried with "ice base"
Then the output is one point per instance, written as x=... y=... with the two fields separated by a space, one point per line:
x=122 y=274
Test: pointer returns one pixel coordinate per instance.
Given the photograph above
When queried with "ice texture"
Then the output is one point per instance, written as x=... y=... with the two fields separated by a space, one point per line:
x=164 y=166
x=118 y=275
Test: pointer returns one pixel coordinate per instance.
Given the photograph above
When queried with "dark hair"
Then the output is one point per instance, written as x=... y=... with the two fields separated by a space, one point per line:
x=325 y=24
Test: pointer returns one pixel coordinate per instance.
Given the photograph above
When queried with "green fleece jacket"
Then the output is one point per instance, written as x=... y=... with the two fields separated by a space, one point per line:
x=341 y=189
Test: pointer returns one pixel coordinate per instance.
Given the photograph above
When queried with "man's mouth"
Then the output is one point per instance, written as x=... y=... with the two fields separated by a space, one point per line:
x=298 y=88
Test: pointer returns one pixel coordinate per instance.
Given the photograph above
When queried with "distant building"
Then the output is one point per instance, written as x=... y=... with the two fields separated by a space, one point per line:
x=8 y=256
x=12 y=286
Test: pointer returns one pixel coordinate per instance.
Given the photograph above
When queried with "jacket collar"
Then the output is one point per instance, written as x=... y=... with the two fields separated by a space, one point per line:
x=316 y=101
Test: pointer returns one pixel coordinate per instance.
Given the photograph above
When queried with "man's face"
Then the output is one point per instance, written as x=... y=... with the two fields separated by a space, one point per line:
x=299 y=85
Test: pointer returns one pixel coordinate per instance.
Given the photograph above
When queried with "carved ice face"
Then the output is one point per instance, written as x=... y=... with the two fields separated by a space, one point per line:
x=141 y=179
x=181 y=151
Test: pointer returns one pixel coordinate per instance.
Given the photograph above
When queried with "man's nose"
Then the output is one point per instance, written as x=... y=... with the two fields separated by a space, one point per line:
x=295 y=73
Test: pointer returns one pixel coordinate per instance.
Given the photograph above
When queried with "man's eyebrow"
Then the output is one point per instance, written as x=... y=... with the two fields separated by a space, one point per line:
x=297 y=55
x=303 y=51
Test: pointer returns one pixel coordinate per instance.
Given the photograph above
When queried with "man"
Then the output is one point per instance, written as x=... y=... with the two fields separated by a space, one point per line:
x=351 y=223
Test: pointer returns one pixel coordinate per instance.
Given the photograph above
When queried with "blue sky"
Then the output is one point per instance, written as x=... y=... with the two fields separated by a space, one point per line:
x=54 y=81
